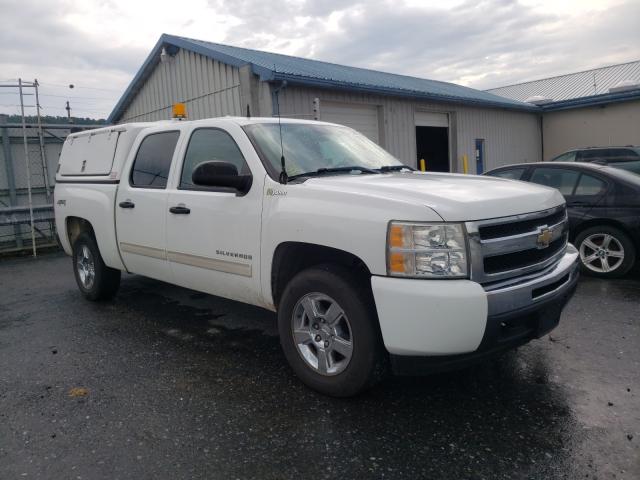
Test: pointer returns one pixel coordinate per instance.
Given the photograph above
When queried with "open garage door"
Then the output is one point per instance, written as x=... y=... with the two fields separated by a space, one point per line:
x=363 y=118
x=432 y=141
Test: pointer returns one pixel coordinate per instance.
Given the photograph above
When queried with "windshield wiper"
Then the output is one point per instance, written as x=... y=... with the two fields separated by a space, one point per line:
x=322 y=171
x=395 y=168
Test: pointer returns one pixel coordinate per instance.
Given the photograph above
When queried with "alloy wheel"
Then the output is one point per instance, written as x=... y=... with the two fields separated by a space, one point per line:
x=601 y=252
x=322 y=333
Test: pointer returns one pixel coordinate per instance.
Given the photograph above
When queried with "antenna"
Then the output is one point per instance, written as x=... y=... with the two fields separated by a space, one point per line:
x=283 y=173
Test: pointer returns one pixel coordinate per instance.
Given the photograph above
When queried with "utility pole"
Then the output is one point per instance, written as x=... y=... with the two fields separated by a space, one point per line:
x=68 y=109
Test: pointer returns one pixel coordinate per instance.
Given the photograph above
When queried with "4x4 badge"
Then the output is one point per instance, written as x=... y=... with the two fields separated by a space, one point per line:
x=544 y=237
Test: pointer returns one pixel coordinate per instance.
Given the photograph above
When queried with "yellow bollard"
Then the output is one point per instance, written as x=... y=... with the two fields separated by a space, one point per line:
x=465 y=163
x=423 y=165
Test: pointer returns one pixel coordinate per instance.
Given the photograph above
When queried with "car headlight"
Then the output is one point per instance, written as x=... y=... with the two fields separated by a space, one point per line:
x=434 y=250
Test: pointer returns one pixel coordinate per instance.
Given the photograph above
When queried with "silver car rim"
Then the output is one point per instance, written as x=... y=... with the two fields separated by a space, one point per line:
x=86 y=267
x=322 y=333
x=601 y=252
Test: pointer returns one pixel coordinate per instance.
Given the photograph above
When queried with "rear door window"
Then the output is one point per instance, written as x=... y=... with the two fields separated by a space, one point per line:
x=560 y=178
x=512 y=173
x=153 y=160
x=591 y=155
x=589 y=186
x=616 y=153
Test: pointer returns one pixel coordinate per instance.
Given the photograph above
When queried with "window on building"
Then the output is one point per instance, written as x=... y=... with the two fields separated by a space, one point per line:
x=560 y=178
x=208 y=144
x=153 y=160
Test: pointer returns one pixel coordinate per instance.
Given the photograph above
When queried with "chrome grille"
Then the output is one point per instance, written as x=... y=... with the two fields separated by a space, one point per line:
x=508 y=247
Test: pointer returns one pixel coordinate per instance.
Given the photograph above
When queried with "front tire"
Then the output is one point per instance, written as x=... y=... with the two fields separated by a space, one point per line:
x=329 y=332
x=95 y=280
x=605 y=251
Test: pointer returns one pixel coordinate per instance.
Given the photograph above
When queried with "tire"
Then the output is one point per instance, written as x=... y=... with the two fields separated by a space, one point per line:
x=605 y=251
x=325 y=290
x=95 y=280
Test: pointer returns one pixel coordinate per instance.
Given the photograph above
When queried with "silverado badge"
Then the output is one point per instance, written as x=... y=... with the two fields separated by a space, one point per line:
x=544 y=237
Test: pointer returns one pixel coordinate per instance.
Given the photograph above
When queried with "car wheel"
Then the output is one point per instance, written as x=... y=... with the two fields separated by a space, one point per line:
x=605 y=251
x=95 y=280
x=329 y=332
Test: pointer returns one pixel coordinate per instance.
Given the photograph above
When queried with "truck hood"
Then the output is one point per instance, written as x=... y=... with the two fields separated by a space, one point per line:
x=455 y=197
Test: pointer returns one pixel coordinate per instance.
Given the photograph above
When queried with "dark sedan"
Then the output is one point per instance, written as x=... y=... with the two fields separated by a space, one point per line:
x=603 y=205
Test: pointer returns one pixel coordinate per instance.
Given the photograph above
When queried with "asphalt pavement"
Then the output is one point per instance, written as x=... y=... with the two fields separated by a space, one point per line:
x=164 y=382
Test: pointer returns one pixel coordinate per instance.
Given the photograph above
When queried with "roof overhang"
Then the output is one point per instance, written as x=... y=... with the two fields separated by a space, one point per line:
x=592 y=101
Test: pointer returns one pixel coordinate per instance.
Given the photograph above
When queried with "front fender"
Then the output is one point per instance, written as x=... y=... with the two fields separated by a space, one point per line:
x=349 y=221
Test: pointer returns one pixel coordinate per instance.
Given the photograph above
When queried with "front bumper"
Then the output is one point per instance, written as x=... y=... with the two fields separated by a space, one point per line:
x=435 y=325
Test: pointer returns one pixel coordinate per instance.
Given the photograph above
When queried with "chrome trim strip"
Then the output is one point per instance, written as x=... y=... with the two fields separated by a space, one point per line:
x=144 y=251
x=472 y=227
x=225 y=266
x=210 y=263
x=517 y=243
x=524 y=234
x=520 y=294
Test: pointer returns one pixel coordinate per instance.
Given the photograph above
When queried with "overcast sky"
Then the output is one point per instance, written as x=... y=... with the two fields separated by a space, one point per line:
x=99 y=45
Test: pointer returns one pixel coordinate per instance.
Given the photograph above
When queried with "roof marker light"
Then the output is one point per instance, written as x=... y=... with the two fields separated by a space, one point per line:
x=179 y=111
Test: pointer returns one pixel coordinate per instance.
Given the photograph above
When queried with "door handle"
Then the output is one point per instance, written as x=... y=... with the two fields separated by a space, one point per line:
x=127 y=204
x=180 y=210
x=578 y=204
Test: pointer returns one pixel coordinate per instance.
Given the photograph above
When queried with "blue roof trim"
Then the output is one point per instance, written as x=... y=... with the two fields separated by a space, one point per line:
x=396 y=92
x=592 y=101
x=302 y=71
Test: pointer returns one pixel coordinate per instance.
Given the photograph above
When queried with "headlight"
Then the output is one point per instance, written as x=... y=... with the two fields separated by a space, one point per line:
x=434 y=250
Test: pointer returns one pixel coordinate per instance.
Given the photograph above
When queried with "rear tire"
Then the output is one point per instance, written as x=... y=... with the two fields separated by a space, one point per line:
x=329 y=331
x=95 y=280
x=605 y=251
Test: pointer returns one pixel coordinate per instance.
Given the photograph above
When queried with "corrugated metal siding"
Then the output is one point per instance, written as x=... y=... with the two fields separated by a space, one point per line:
x=510 y=136
x=574 y=85
x=616 y=124
x=208 y=87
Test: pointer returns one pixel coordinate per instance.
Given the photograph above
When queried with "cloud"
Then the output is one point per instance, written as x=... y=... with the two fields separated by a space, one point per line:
x=99 y=45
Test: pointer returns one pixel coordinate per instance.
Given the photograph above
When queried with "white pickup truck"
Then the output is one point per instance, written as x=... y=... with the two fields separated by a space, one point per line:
x=370 y=265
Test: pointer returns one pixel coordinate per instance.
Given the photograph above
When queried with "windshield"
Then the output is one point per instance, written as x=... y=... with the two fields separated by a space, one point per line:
x=309 y=147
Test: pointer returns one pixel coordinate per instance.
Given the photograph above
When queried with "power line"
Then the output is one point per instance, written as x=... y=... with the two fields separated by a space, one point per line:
x=51 y=107
x=63 y=96
x=77 y=86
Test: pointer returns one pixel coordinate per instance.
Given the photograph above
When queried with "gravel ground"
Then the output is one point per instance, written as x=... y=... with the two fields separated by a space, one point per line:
x=164 y=382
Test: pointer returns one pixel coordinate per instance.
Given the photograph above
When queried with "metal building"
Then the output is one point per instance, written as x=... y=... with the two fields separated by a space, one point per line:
x=599 y=107
x=413 y=118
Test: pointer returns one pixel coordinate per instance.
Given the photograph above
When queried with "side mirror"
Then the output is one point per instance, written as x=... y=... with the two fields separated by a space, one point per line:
x=220 y=174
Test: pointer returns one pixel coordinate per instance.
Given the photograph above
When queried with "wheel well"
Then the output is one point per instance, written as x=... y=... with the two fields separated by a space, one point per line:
x=76 y=226
x=595 y=222
x=290 y=258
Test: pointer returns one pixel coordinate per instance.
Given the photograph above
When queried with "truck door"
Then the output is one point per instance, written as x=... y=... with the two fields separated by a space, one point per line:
x=141 y=206
x=213 y=234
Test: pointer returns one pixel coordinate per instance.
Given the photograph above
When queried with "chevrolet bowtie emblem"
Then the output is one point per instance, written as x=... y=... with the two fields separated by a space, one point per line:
x=544 y=237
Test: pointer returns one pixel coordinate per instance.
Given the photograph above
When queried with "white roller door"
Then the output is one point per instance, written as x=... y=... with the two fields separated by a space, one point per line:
x=429 y=119
x=363 y=118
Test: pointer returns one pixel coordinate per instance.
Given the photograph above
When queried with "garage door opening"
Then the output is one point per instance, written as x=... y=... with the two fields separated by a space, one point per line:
x=432 y=145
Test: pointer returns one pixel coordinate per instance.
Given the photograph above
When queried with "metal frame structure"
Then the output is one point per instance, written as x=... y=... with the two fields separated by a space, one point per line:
x=40 y=163
x=39 y=187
